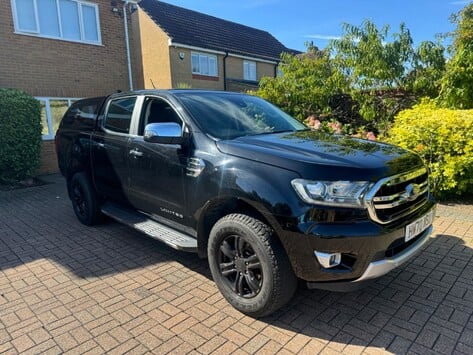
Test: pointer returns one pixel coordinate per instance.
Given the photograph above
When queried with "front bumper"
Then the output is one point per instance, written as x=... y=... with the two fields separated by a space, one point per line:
x=376 y=268
x=369 y=250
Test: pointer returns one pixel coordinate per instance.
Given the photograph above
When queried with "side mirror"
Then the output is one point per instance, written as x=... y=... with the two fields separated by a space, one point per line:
x=164 y=133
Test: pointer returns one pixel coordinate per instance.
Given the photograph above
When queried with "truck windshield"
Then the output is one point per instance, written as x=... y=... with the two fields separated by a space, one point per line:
x=228 y=115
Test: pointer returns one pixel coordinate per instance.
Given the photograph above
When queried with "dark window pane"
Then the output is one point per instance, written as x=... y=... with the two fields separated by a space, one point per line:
x=119 y=114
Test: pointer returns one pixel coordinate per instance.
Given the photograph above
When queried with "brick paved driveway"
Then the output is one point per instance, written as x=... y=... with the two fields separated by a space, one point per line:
x=68 y=288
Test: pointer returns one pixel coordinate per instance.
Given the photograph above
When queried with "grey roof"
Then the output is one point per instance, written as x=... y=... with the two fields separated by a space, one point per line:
x=196 y=29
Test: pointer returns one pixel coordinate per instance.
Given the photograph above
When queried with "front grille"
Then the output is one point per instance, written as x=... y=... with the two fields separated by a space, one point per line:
x=397 y=196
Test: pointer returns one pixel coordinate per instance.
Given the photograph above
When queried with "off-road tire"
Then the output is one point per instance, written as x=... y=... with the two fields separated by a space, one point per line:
x=249 y=265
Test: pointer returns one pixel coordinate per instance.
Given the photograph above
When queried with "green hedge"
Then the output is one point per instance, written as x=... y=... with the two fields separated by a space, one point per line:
x=444 y=139
x=20 y=135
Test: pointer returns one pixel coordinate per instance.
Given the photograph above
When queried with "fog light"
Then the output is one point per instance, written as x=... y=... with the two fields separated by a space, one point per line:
x=328 y=260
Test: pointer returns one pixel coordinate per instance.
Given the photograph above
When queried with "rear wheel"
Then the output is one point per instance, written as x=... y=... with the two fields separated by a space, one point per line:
x=249 y=265
x=84 y=199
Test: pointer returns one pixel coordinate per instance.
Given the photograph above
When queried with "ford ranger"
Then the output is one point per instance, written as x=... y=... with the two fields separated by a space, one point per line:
x=233 y=178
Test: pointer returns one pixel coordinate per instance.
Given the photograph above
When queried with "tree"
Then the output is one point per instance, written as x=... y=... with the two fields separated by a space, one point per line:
x=428 y=69
x=369 y=60
x=385 y=72
x=457 y=84
x=306 y=84
x=363 y=79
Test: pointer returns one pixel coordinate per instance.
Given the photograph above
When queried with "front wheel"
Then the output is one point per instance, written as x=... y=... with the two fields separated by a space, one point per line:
x=84 y=199
x=249 y=265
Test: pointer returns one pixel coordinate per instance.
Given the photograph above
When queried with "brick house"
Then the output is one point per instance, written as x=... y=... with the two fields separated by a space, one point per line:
x=62 y=50
x=59 y=51
x=180 y=47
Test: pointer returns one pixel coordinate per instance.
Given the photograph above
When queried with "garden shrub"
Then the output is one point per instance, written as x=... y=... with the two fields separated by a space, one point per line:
x=20 y=135
x=444 y=139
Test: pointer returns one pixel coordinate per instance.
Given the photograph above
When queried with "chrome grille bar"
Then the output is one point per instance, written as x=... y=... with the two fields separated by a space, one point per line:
x=423 y=186
x=406 y=195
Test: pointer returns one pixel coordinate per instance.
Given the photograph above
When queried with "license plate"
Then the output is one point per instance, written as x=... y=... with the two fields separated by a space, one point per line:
x=418 y=226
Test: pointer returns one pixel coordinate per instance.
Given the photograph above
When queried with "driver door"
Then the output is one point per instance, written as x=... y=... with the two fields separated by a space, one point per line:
x=157 y=171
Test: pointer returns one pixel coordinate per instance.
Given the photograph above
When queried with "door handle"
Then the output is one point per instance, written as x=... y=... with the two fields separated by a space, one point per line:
x=136 y=153
x=100 y=145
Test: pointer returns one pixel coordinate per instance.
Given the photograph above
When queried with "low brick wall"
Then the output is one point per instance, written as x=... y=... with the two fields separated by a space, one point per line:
x=48 y=158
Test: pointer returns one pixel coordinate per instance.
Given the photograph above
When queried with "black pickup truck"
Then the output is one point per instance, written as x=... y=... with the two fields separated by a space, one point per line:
x=233 y=178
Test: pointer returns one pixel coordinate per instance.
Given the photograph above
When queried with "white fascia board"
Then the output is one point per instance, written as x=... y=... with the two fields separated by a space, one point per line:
x=252 y=59
x=198 y=49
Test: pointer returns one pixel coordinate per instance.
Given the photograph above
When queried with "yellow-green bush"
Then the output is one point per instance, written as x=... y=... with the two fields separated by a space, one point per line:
x=444 y=139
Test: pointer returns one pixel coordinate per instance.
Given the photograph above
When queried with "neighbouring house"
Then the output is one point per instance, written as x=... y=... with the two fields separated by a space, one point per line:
x=184 y=48
x=62 y=50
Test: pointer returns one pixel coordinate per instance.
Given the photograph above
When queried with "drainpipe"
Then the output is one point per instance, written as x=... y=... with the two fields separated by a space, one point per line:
x=225 y=71
x=127 y=41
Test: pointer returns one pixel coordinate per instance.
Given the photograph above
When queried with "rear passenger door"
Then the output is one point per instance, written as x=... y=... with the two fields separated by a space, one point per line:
x=110 y=149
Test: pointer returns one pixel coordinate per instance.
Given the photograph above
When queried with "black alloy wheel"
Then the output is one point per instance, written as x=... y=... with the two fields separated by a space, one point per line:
x=79 y=200
x=240 y=266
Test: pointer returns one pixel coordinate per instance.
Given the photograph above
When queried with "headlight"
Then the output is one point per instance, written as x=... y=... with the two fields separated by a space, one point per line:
x=332 y=193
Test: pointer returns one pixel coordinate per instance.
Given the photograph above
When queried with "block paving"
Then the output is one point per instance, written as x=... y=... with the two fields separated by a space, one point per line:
x=67 y=288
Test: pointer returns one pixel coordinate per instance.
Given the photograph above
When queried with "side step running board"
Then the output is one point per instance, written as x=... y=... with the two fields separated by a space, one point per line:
x=144 y=224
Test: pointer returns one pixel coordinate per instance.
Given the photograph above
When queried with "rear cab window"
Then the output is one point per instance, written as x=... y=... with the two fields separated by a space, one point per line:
x=82 y=113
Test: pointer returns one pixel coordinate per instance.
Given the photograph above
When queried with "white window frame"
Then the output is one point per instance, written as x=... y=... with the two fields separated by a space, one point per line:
x=49 y=119
x=248 y=73
x=279 y=72
x=38 y=33
x=207 y=57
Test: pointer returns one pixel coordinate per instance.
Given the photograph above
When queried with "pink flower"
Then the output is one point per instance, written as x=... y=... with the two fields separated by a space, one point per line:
x=336 y=127
x=313 y=122
x=316 y=124
x=371 y=136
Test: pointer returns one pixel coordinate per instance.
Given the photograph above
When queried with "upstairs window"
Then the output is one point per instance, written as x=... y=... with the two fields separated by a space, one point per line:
x=62 y=19
x=249 y=70
x=204 y=64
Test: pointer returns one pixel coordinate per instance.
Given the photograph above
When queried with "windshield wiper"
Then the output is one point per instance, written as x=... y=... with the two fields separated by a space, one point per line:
x=273 y=132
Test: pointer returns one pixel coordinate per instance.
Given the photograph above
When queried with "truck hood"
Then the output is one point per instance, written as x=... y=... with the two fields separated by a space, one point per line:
x=317 y=155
